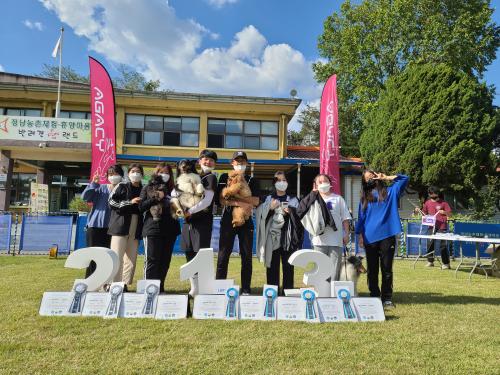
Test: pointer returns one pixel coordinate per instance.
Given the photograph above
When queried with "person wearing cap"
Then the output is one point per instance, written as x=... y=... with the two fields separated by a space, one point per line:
x=196 y=231
x=244 y=232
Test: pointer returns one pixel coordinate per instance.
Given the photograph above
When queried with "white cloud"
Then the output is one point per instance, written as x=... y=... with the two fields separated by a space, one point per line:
x=221 y=3
x=162 y=46
x=2 y=69
x=33 y=25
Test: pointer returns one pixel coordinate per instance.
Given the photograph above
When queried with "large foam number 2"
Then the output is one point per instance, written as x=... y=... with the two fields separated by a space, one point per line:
x=321 y=272
x=106 y=260
x=203 y=265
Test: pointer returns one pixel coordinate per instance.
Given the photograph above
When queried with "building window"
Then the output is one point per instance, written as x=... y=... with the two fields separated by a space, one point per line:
x=74 y=114
x=21 y=188
x=255 y=135
x=21 y=112
x=160 y=130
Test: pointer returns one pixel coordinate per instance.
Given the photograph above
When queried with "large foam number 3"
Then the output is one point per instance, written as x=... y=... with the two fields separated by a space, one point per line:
x=203 y=265
x=321 y=272
x=106 y=260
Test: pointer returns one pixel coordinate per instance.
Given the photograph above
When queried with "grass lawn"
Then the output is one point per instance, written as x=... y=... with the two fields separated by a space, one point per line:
x=441 y=325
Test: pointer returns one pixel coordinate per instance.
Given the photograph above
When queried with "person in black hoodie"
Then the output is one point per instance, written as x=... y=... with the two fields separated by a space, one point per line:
x=159 y=235
x=125 y=223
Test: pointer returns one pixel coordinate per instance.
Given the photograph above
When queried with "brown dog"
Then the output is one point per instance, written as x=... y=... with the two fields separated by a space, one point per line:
x=237 y=188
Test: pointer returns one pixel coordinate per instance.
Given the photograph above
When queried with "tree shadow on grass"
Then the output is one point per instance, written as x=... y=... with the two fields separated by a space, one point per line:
x=429 y=297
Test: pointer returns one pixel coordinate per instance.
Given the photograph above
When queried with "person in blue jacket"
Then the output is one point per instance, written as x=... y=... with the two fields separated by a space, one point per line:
x=98 y=218
x=377 y=227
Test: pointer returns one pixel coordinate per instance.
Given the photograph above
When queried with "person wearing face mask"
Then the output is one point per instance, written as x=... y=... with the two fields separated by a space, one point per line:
x=335 y=236
x=441 y=209
x=197 y=228
x=377 y=227
x=244 y=232
x=98 y=218
x=159 y=236
x=125 y=223
x=279 y=232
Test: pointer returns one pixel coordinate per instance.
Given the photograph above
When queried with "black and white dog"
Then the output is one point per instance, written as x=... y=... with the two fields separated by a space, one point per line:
x=351 y=268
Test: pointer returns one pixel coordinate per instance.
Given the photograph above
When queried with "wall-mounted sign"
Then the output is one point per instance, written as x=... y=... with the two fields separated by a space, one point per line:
x=44 y=129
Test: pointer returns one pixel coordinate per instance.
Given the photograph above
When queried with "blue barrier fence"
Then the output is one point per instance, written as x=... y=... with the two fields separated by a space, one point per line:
x=5 y=230
x=39 y=232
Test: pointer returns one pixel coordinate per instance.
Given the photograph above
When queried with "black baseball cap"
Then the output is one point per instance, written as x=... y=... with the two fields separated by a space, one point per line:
x=208 y=154
x=240 y=154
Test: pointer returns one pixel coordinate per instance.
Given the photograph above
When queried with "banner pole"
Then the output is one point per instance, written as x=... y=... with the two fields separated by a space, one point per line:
x=58 y=104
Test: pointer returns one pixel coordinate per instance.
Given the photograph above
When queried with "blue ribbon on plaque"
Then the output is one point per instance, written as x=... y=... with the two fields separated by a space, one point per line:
x=345 y=297
x=231 y=294
x=309 y=296
x=270 y=294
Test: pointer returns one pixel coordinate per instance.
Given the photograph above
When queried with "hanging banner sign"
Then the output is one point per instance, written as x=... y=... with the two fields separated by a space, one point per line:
x=44 y=129
x=102 y=103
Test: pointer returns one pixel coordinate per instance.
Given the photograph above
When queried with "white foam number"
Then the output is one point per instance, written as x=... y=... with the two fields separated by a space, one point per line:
x=321 y=272
x=203 y=265
x=106 y=261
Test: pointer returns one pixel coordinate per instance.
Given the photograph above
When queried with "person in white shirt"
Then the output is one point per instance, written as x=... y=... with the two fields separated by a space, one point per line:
x=331 y=242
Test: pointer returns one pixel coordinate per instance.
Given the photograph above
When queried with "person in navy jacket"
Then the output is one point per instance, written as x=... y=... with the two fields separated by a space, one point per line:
x=377 y=227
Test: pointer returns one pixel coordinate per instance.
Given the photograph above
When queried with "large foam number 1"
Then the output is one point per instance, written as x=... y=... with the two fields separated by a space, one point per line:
x=321 y=272
x=203 y=265
x=106 y=261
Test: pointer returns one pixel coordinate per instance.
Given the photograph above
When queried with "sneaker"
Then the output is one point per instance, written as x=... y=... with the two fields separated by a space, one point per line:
x=445 y=267
x=430 y=264
x=245 y=292
x=388 y=305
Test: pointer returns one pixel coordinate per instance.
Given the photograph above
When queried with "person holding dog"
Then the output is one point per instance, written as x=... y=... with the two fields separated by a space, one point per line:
x=198 y=220
x=159 y=233
x=125 y=223
x=377 y=227
x=336 y=216
x=98 y=218
x=244 y=232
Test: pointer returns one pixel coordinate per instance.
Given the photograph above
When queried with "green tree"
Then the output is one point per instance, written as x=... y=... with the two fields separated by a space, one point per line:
x=128 y=78
x=365 y=44
x=436 y=125
x=309 y=119
x=67 y=73
x=295 y=138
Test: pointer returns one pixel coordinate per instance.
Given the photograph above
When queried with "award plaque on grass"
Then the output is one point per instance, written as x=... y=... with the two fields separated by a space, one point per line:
x=170 y=307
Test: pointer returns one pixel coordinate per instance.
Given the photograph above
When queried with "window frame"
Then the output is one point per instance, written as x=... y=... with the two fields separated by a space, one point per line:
x=163 y=131
x=243 y=134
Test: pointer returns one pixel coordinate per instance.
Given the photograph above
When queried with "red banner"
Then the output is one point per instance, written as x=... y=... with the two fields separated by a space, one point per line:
x=329 y=133
x=102 y=101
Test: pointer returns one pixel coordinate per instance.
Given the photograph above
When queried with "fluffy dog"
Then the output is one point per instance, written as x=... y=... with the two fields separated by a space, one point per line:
x=351 y=268
x=152 y=191
x=237 y=188
x=188 y=187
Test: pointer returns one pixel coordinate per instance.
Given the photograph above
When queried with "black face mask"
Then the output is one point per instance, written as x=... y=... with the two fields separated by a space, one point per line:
x=371 y=184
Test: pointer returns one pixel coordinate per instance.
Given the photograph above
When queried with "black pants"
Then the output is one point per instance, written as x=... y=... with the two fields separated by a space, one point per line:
x=226 y=240
x=158 y=251
x=380 y=253
x=443 y=248
x=273 y=272
x=97 y=237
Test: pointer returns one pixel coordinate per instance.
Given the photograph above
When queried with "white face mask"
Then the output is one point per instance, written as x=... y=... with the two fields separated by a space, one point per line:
x=206 y=168
x=240 y=167
x=165 y=177
x=135 y=177
x=324 y=187
x=281 y=185
x=115 y=179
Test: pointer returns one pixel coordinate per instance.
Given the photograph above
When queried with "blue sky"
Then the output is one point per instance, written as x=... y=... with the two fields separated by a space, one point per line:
x=246 y=47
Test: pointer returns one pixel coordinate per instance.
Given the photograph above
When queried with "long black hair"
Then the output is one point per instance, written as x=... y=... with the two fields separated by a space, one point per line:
x=367 y=189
